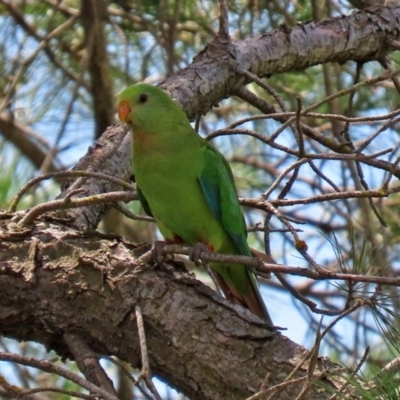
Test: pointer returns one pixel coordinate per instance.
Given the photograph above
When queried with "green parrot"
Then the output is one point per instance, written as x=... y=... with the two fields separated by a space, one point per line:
x=187 y=186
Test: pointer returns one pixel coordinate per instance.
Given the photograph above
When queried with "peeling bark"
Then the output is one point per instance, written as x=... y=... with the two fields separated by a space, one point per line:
x=86 y=285
x=362 y=36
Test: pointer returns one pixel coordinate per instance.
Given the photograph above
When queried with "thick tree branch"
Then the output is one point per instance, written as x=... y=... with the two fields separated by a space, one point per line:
x=362 y=36
x=198 y=342
x=27 y=141
x=111 y=155
x=88 y=362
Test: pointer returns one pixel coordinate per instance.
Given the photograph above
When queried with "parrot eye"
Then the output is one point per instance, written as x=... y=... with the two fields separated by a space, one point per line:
x=143 y=97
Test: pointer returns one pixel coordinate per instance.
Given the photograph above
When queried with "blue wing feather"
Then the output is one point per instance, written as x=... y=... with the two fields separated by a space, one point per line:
x=211 y=193
x=219 y=191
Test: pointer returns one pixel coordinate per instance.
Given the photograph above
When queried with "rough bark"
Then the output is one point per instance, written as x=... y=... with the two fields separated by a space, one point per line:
x=55 y=283
x=368 y=3
x=110 y=155
x=363 y=36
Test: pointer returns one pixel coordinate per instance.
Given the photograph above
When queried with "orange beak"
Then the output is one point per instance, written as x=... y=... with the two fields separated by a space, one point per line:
x=123 y=110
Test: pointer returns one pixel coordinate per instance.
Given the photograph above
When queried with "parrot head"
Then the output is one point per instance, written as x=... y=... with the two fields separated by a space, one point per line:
x=146 y=108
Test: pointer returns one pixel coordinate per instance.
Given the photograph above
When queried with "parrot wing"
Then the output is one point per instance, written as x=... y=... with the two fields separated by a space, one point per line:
x=218 y=187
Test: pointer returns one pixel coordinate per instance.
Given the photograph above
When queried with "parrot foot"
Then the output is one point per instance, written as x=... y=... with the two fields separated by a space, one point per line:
x=157 y=254
x=196 y=250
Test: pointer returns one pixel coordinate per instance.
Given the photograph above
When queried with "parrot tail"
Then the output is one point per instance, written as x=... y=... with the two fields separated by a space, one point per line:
x=252 y=300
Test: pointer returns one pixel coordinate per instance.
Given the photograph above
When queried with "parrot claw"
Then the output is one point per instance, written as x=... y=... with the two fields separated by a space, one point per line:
x=158 y=256
x=196 y=250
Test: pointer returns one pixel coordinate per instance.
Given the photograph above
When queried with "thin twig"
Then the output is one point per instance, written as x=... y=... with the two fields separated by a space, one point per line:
x=223 y=32
x=262 y=204
x=386 y=64
x=393 y=367
x=145 y=373
x=276 y=388
x=22 y=393
x=273 y=114
x=254 y=262
x=129 y=376
x=354 y=372
x=49 y=367
x=327 y=99
x=299 y=128
x=67 y=203
x=264 y=85
x=313 y=306
x=129 y=214
x=28 y=61
x=323 y=176
x=65 y=174
x=279 y=388
x=312 y=364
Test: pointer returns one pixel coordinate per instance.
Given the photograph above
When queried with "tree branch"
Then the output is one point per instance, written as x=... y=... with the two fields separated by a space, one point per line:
x=94 y=286
x=362 y=36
